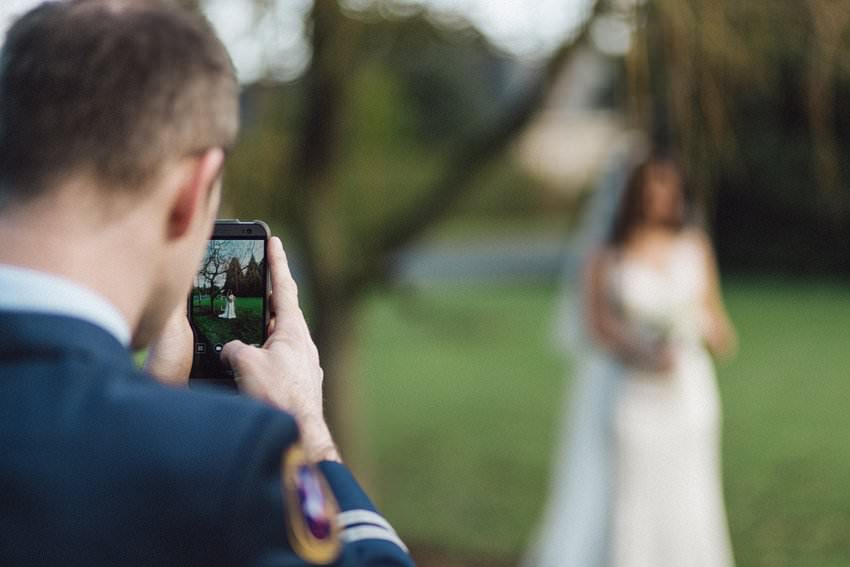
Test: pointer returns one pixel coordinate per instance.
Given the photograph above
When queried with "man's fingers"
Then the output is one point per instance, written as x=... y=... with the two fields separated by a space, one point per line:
x=272 y=314
x=270 y=301
x=284 y=289
x=232 y=352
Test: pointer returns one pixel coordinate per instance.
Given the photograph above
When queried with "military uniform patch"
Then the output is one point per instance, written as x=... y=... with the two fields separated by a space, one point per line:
x=310 y=510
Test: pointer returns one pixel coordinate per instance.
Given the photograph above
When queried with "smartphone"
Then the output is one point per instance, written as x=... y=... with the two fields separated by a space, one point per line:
x=229 y=298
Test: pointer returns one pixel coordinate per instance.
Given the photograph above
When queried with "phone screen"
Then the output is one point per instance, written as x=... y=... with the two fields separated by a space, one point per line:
x=228 y=300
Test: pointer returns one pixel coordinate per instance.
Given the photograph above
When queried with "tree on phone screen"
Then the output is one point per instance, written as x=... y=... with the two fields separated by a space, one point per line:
x=214 y=266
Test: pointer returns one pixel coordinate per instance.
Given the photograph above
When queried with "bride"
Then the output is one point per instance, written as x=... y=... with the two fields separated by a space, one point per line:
x=638 y=482
x=230 y=307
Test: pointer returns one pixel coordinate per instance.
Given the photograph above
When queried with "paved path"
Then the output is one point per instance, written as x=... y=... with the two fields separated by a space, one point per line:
x=505 y=259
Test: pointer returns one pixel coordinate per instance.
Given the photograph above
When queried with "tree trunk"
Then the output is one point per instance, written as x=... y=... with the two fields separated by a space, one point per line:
x=213 y=295
x=335 y=332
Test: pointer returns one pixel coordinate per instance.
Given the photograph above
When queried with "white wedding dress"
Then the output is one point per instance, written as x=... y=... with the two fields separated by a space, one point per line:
x=229 y=309
x=637 y=483
x=668 y=498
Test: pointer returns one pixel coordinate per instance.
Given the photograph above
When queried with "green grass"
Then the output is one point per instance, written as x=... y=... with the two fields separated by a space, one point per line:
x=787 y=430
x=464 y=395
x=248 y=325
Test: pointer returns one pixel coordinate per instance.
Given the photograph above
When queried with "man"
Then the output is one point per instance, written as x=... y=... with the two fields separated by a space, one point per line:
x=115 y=118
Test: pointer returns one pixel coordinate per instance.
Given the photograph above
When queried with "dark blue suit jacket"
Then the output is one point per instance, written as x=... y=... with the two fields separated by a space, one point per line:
x=101 y=465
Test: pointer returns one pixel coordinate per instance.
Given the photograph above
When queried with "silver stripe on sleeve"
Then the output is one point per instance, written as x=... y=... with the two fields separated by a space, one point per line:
x=353 y=517
x=359 y=533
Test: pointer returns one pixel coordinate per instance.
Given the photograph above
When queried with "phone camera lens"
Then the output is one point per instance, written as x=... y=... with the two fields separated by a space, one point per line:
x=250 y=231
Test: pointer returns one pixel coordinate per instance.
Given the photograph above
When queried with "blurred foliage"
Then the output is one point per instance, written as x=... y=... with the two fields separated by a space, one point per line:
x=402 y=113
x=750 y=95
x=402 y=116
x=399 y=123
x=396 y=123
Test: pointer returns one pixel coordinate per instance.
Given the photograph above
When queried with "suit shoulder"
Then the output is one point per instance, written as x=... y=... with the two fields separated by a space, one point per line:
x=196 y=427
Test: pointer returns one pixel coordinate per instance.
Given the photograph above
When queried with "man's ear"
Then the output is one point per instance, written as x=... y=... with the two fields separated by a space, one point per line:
x=194 y=193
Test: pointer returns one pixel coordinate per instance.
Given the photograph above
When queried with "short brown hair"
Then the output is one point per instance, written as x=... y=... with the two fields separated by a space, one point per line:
x=111 y=89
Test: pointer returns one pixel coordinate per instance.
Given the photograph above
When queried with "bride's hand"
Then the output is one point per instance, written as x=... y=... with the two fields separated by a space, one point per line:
x=663 y=360
x=656 y=358
x=720 y=337
x=170 y=355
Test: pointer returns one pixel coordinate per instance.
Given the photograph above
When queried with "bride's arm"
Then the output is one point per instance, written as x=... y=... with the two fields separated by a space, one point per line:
x=607 y=329
x=719 y=333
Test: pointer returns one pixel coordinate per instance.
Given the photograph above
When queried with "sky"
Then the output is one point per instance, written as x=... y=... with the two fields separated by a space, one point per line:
x=241 y=249
x=274 y=44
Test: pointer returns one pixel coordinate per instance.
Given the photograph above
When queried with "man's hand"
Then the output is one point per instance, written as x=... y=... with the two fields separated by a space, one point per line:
x=170 y=356
x=285 y=372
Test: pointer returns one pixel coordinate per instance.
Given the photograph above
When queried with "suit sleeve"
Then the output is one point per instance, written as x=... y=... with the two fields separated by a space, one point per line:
x=259 y=527
x=368 y=538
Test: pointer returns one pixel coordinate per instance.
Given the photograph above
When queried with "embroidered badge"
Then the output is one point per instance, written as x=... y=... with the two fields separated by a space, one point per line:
x=310 y=509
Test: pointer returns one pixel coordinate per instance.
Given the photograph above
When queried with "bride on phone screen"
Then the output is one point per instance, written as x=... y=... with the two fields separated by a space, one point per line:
x=229 y=307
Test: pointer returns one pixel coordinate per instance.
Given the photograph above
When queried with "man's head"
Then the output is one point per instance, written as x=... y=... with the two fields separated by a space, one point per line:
x=131 y=104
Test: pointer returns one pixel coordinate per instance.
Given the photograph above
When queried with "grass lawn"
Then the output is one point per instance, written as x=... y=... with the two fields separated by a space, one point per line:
x=464 y=392
x=248 y=325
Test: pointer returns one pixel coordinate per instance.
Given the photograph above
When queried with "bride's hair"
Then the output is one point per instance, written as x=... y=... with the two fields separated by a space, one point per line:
x=631 y=211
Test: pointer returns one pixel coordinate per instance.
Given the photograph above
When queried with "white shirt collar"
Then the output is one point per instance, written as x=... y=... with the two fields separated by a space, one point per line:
x=32 y=291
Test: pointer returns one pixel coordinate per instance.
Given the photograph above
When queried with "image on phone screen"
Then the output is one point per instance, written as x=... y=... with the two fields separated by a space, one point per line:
x=228 y=301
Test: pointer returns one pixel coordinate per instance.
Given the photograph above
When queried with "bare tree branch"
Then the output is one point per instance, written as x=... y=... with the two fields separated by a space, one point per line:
x=332 y=38
x=333 y=41
x=830 y=20
x=477 y=151
x=214 y=266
